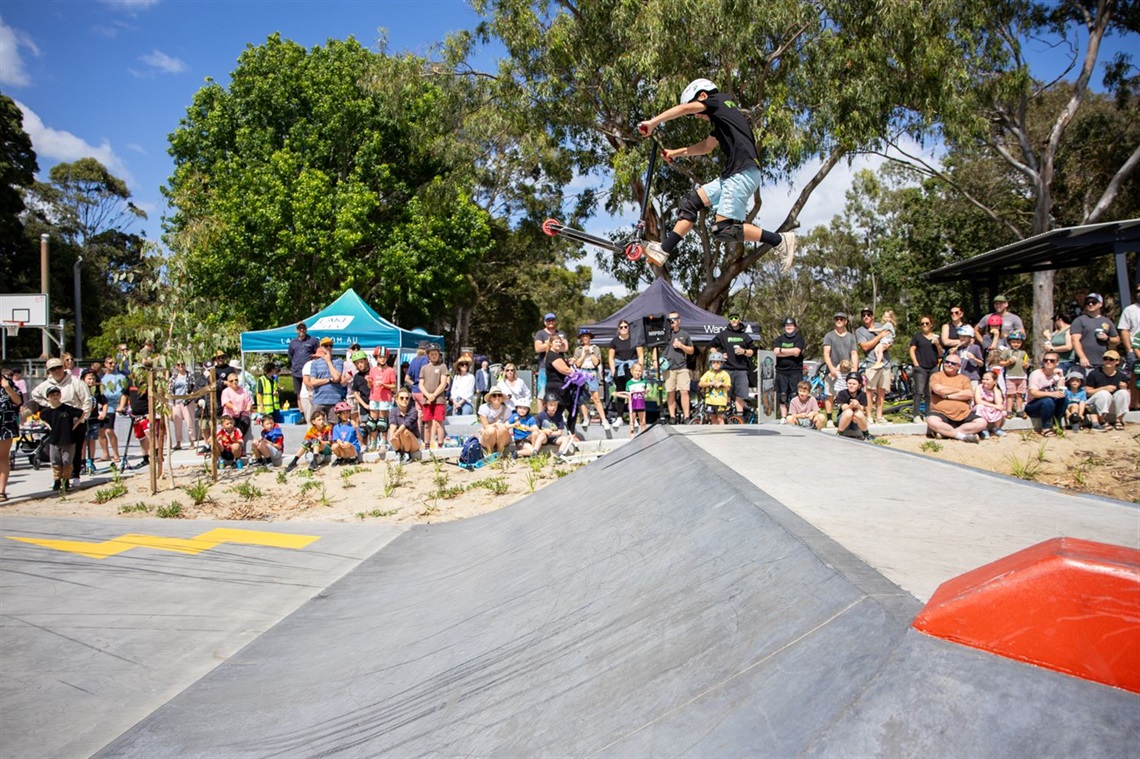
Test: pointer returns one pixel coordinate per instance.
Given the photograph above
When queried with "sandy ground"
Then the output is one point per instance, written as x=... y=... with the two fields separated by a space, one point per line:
x=420 y=492
x=1104 y=463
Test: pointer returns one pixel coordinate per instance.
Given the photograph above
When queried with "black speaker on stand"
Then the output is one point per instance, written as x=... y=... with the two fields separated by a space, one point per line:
x=653 y=330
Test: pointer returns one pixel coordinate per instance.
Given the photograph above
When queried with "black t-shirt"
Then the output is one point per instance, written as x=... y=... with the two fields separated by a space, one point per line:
x=61 y=420
x=926 y=351
x=624 y=349
x=554 y=378
x=844 y=396
x=300 y=352
x=362 y=386
x=137 y=401
x=727 y=341
x=97 y=400
x=790 y=364
x=732 y=130
x=1097 y=378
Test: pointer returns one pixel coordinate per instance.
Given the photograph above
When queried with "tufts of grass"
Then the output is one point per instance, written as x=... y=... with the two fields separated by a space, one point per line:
x=310 y=485
x=1024 y=470
x=496 y=485
x=532 y=478
x=377 y=513
x=449 y=493
x=135 y=508
x=931 y=446
x=115 y=490
x=173 y=511
x=880 y=441
x=281 y=478
x=247 y=490
x=199 y=492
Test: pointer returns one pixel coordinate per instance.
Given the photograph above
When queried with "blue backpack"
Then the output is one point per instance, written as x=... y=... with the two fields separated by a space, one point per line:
x=471 y=455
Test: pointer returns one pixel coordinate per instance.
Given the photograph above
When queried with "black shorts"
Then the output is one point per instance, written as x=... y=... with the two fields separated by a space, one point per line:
x=108 y=421
x=739 y=382
x=786 y=382
x=969 y=418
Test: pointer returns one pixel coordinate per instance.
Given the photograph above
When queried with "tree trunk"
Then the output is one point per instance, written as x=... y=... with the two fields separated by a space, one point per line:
x=1042 y=311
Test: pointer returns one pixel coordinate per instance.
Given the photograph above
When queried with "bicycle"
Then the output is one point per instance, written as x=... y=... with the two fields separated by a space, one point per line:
x=748 y=417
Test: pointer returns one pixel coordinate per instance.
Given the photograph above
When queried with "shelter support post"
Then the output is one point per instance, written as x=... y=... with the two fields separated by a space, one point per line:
x=1121 y=256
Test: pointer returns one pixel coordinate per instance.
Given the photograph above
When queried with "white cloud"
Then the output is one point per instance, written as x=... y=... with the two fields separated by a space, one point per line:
x=130 y=6
x=136 y=148
x=163 y=63
x=12 y=72
x=62 y=146
x=113 y=29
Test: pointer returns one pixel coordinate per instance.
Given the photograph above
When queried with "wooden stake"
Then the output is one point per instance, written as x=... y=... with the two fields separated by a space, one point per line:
x=213 y=396
x=155 y=444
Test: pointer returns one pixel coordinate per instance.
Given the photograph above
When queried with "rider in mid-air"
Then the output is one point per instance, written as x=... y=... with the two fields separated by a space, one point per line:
x=730 y=194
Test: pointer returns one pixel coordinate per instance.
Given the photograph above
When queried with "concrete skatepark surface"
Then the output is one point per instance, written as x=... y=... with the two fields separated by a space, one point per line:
x=665 y=600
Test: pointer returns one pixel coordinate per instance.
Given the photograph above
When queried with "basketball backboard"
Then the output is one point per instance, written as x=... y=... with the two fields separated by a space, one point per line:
x=29 y=308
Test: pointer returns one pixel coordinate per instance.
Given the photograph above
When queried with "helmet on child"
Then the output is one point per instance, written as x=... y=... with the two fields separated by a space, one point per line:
x=1016 y=335
x=696 y=87
x=1074 y=375
x=342 y=406
x=715 y=356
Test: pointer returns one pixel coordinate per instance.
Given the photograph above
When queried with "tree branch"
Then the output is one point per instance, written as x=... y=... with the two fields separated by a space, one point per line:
x=1113 y=187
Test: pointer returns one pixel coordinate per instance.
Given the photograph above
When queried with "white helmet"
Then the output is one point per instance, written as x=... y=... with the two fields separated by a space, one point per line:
x=696 y=87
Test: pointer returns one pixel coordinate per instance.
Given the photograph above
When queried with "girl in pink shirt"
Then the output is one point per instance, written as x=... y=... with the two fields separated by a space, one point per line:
x=237 y=402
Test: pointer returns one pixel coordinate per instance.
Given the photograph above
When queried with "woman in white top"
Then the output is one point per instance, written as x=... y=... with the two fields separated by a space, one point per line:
x=462 y=389
x=514 y=389
x=493 y=415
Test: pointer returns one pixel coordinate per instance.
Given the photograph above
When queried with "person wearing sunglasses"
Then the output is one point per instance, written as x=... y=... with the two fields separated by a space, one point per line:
x=949 y=414
x=1108 y=392
x=1093 y=334
x=949 y=333
x=1046 y=396
x=625 y=351
x=238 y=403
x=515 y=390
x=925 y=349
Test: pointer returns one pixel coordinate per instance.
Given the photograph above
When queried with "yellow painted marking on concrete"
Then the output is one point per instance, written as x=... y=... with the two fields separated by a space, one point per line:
x=192 y=546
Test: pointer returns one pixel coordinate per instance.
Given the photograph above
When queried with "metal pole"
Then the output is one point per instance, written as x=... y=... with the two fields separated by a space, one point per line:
x=45 y=346
x=78 y=311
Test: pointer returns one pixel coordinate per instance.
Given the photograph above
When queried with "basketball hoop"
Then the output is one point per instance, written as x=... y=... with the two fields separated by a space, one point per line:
x=12 y=328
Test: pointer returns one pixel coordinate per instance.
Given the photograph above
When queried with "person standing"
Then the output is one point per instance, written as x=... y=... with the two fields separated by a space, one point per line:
x=10 y=401
x=114 y=385
x=737 y=347
x=542 y=341
x=878 y=378
x=72 y=393
x=1010 y=322
x=730 y=194
x=924 y=353
x=1093 y=334
x=434 y=382
x=677 y=377
x=181 y=410
x=789 y=350
x=949 y=336
x=838 y=345
x=325 y=379
x=302 y=348
x=623 y=354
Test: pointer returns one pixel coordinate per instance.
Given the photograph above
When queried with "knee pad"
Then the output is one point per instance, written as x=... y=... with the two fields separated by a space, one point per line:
x=728 y=230
x=382 y=424
x=690 y=205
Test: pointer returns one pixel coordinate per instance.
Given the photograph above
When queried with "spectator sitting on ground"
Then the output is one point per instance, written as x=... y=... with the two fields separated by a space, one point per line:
x=270 y=447
x=1046 y=396
x=344 y=441
x=716 y=383
x=1076 y=400
x=990 y=405
x=229 y=443
x=1108 y=392
x=527 y=436
x=515 y=391
x=803 y=410
x=852 y=404
x=462 y=389
x=237 y=402
x=404 y=426
x=950 y=415
x=317 y=442
x=553 y=424
x=494 y=419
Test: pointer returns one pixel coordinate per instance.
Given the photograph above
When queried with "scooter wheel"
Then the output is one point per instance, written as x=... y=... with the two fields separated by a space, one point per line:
x=634 y=251
x=551 y=226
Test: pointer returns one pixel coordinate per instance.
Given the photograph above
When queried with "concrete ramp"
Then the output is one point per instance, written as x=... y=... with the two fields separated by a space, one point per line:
x=651 y=604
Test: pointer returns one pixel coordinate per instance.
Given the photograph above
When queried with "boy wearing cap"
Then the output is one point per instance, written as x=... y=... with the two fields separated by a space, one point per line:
x=553 y=424
x=716 y=383
x=588 y=358
x=64 y=422
x=434 y=381
x=1093 y=334
x=360 y=386
x=729 y=195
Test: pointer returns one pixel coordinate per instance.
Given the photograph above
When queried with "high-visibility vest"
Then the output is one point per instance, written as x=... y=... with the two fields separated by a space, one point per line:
x=266 y=400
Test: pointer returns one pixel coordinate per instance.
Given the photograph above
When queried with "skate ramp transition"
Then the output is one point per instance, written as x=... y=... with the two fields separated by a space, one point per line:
x=651 y=604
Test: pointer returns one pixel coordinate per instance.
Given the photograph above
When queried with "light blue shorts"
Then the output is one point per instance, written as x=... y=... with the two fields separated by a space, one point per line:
x=731 y=197
x=379 y=405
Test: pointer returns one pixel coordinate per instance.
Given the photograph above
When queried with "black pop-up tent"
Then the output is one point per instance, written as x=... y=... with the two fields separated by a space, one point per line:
x=661 y=298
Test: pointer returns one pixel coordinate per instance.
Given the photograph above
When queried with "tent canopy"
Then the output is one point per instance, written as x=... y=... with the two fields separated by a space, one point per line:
x=347 y=320
x=660 y=298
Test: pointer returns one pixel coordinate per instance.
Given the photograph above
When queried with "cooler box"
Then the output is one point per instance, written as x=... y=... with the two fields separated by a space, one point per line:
x=291 y=416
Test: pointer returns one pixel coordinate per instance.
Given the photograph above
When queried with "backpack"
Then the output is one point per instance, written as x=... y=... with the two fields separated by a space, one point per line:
x=471 y=455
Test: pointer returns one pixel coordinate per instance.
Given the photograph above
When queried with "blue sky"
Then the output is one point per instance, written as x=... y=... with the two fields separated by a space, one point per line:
x=111 y=78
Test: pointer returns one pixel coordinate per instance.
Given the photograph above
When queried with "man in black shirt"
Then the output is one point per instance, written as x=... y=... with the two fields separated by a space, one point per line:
x=731 y=194
x=789 y=352
x=1107 y=389
x=738 y=348
x=301 y=350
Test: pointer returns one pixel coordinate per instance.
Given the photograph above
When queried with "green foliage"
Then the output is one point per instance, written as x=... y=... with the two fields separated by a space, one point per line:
x=931 y=446
x=115 y=490
x=496 y=485
x=199 y=492
x=18 y=169
x=247 y=490
x=173 y=511
x=1024 y=470
x=377 y=513
x=136 y=508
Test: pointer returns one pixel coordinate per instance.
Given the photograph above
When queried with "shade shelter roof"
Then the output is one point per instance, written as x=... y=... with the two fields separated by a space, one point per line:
x=660 y=298
x=347 y=320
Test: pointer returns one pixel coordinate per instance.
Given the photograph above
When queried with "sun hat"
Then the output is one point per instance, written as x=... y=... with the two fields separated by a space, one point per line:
x=326 y=341
x=1110 y=353
x=53 y=363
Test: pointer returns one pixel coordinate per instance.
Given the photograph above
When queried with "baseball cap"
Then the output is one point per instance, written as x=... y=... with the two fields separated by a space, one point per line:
x=1110 y=353
x=1094 y=296
x=53 y=363
x=965 y=331
x=839 y=315
x=789 y=320
x=302 y=325
x=585 y=331
x=550 y=316
x=326 y=341
x=867 y=311
x=1000 y=298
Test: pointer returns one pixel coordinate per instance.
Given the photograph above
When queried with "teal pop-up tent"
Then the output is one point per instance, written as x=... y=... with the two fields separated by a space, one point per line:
x=347 y=320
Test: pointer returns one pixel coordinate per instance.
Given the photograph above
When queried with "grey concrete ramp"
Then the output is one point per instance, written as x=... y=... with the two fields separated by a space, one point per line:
x=653 y=603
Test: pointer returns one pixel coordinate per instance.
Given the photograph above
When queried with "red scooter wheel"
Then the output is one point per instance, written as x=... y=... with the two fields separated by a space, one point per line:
x=633 y=251
x=551 y=227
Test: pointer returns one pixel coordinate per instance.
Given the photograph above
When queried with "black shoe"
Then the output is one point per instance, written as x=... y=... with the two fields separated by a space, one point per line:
x=292 y=465
x=55 y=485
x=313 y=465
x=868 y=436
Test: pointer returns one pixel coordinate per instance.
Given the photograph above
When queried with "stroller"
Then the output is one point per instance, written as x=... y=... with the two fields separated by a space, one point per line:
x=32 y=443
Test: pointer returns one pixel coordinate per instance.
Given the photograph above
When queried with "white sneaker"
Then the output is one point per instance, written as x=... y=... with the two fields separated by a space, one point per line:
x=787 y=250
x=918 y=420
x=616 y=423
x=655 y=253
x=606 y=425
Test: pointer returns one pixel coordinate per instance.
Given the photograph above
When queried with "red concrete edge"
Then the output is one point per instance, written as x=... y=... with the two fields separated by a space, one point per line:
x=1065 y=604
